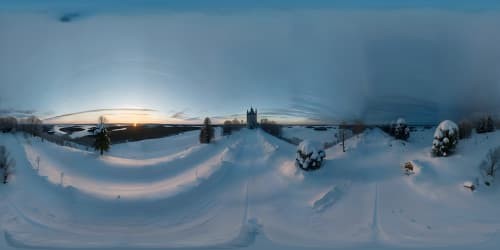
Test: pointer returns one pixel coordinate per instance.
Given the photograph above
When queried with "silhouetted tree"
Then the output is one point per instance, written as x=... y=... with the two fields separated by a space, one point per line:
x=237 y=125
x=464 y=129
x=207 y=131
x=358 y=127
x=342 y=134
x=227 y=127
x=33 y=125
x=7 y=164
x=491 y=164
x=485 y=125
x=8 y=124
x=271 y=127
x=102 y=141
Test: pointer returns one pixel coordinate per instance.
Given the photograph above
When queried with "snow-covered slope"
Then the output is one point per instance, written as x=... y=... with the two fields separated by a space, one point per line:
x=244 y=190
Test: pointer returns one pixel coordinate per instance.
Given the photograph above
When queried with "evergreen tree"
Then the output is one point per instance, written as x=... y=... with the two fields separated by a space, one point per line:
x=102 y=141
x=401 y=130
x=445 y=138
x=207 y=131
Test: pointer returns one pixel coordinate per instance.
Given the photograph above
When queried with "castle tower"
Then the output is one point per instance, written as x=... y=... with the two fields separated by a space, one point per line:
x=252 y=118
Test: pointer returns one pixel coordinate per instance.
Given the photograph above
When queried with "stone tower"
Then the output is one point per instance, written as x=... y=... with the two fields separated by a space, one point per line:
x=252 y=118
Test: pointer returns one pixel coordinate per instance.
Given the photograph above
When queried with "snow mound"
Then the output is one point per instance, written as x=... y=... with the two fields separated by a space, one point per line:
x=329 y=198
x=446 y=125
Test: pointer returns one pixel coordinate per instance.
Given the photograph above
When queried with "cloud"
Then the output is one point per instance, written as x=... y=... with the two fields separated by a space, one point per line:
x=99 y=111
x=70 y=17
x=17 y=112
x=309 y=63
x=178 y=115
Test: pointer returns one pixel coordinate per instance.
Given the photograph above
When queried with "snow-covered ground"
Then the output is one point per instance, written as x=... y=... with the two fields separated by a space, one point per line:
x=244 y=191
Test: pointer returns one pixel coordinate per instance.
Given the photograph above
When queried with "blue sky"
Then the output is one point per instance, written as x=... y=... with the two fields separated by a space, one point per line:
x=303 y=61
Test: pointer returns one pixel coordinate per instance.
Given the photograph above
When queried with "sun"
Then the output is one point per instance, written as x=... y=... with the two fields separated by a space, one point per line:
x=135 y=124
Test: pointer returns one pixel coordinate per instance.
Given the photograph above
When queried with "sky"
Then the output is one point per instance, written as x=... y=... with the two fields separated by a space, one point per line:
x=296 y=61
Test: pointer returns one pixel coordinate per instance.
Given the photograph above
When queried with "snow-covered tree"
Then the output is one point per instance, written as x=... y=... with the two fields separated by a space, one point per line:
x=445 y=138
x=7 y=164
x=207 y=131
x=102 y=141
x=490 y=165
x=310 y=155
x=401 y=130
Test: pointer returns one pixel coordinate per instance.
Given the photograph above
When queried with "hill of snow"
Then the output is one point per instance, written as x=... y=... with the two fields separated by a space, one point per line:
x=244 y=191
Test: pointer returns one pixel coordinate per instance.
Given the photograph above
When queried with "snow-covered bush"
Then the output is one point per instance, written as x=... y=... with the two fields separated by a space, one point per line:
x=310 y=155
x=445 y=138
x=401 y=130
x=6 y=164
x=490 y=165
x=207 y=131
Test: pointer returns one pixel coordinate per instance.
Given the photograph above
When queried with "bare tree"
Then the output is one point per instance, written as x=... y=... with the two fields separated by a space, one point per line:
x=341 y=134
x=33 y=125
x=464 y=129
x=227 y=127
x=102 y=141
x=207 y=131
x=8 y=124
x=491 y=164
x=7 y=164
x=358 y=127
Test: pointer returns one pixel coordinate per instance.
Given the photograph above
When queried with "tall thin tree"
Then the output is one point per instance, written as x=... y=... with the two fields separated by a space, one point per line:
x=102 y=141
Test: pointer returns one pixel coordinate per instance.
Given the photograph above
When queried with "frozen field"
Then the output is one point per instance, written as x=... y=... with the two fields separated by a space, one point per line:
x=244 y=191
x=302 y=132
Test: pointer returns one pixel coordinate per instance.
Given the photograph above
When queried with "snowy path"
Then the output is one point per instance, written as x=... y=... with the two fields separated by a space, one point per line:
x=244 y=191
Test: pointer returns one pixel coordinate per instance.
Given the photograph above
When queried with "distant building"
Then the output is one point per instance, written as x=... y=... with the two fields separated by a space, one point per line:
x=252 y=118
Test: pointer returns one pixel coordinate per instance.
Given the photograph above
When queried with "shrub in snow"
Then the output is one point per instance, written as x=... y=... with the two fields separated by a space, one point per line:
x=400 y=130
x=310 y=155
x=227 y=128
x=464 y=129
x=8 y=124
x=102 y=141
x=6 y=164
x=358 y=127
x=490 y=165
x=485 y=125
x=207 y=131
x=271 y=127
x=445 y=138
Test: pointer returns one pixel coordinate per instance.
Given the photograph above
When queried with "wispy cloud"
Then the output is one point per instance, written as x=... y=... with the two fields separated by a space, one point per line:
x=98 y=111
